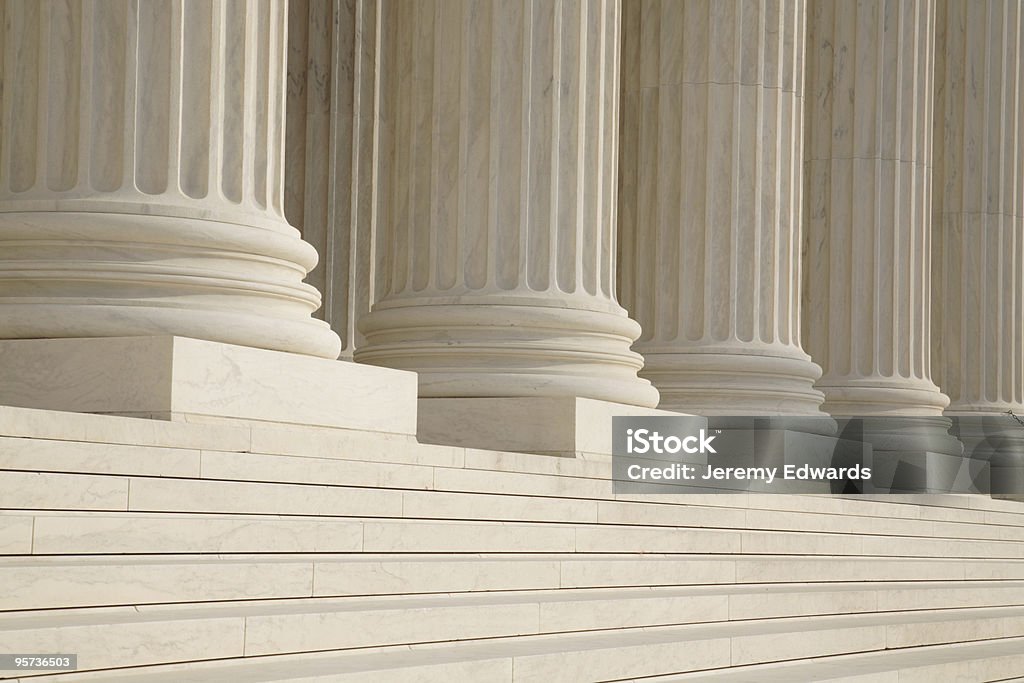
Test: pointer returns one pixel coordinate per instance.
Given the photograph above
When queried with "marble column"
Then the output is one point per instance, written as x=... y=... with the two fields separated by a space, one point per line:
x=501 y=121
x=331 y=151
x=141 y=160
x=710 y=201
x=867 y=282
x=978 y=224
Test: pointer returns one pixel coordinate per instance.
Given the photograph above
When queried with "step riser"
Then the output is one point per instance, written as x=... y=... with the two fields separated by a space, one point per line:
x=42 y=587
x=86 y=533
x=49 y=491
x=234 y=541
x=894 y=517
x=312 y=620
x=983 y=661
x=140 y=644
x=917 y=666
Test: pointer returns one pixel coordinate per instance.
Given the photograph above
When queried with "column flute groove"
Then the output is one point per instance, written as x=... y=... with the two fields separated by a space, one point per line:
x=332 y=152
x=709 y=201
x=498 y=216
x=977 y=215
x=868 y=165
x=127 y=248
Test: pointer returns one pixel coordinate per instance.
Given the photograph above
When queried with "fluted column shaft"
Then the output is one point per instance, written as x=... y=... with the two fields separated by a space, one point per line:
x=498 y=127
x=978 y=218
x=710 y=201
x=141 y=159
x=868 y=288
x=331 y=157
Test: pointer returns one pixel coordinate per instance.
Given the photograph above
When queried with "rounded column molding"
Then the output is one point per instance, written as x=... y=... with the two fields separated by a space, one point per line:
x=710 y=198
x=331 y=152
x=867 y=286
x=141 y=161
x=978 y=209
x=499 y=128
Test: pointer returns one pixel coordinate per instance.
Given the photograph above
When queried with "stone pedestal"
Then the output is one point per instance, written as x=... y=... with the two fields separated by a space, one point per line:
x=500 y=202
x=993 y=454
x=867 y=288
x=141 y=169
x=709 y=196
x=174 y=378
x=548 y=425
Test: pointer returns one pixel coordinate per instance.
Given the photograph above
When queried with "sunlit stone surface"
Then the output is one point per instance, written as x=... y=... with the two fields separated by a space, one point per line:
x=710 y=198
x=978 y=336
x=246 y=507
x=867 y=285
x=331 y=156
x=500 y=202
x=141 y=163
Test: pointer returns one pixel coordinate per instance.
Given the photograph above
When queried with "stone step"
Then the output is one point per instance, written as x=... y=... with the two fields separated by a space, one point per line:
x=253 y=451
x=150 y=543
x=110 y=429
x=81 y=581
x=891 y=515
x=995 y=660
x=67 y=491
x=588 y=656
x=301 y=625
x=53 y=533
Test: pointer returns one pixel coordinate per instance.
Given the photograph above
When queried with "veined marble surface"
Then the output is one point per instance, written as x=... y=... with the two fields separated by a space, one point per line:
x=710 y=198
x=978 y=206
x=499 y=138
x=176 y=378
x=867 y=251
x=332 y=158
x=141 y=168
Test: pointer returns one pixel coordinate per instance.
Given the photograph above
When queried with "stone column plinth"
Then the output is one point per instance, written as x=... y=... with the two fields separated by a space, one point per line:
x=710 y=201
x=331 y=158
x=499 y=139
x=141 y=159
x=867 y=285
x=978 y=223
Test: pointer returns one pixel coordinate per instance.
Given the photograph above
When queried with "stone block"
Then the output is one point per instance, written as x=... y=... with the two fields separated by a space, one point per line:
x=181 y=379
x=562 y=426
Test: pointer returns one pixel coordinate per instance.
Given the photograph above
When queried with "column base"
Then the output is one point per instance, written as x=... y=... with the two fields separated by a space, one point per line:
x=913 y=454
x=563 y=426
x=856 y=397
x=918 y=472
x=739 y=383
x=182 y=379
x=993 y=451
x=509 y=350
x=80 y=269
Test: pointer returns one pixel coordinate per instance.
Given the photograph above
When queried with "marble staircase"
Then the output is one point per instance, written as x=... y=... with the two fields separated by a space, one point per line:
x=176 y=551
